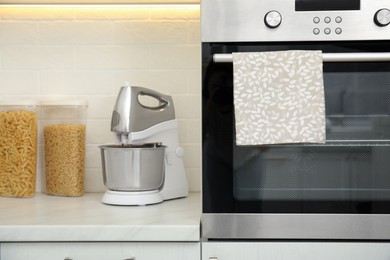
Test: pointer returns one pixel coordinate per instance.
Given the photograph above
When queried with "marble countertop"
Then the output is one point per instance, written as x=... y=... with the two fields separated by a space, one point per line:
x=86 y=218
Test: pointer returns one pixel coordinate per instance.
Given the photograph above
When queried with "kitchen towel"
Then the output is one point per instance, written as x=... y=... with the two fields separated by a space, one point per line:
x=279 y=97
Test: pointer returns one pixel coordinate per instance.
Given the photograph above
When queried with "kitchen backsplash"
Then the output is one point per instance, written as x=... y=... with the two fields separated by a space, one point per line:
x=88 y=51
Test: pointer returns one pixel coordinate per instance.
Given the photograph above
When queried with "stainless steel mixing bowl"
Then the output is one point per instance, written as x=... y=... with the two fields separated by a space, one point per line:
x=133 y=167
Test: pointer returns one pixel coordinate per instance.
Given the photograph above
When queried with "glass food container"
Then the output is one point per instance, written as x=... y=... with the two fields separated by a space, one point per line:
x=64 y=126
x=18 y=147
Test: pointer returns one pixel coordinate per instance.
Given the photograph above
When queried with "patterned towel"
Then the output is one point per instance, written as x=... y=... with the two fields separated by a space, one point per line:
x=279 y=97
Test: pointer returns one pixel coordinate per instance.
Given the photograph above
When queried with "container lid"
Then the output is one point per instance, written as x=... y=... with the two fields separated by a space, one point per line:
x=19 y=102
x=65 y=102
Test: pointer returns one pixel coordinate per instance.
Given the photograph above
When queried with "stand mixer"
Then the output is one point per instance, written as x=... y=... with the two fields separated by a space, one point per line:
x=136 y=123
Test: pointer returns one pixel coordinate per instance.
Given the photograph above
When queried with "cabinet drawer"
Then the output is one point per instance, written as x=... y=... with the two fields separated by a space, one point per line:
x=294 y=251
x=100 y=251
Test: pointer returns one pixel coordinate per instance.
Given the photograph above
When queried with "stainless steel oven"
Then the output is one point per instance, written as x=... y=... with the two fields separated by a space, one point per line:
x=336 y=190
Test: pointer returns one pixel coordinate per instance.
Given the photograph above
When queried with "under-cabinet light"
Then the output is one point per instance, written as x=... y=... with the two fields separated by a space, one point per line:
x=83 y=2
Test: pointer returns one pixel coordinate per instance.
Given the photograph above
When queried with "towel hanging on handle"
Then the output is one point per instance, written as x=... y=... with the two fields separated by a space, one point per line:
x=279 y=97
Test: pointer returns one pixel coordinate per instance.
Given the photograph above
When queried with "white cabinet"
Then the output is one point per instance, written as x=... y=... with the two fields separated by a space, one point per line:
x=295 y=251
x=101 y=251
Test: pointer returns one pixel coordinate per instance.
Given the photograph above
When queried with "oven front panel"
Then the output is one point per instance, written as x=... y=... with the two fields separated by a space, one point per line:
x=294 y=20
x=349 y=174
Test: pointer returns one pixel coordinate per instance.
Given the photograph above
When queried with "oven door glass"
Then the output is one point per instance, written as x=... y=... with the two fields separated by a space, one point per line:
x=350 y=173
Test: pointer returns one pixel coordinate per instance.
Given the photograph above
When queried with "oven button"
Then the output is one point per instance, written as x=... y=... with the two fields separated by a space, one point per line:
x=338 y=19
x=272 y=19
x=327 y=31
x=338 y=31
x=316 y=31
x=327 y=19
x=316 y=19
x=382 y=17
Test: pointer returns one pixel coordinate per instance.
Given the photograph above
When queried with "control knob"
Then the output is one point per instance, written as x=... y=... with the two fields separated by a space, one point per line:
x=382 y=17
x=272 y=19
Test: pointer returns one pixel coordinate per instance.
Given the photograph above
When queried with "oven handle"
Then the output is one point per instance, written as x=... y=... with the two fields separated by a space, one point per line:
x=328 y=57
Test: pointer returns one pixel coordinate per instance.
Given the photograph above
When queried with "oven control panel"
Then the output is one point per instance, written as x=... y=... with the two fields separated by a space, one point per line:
x=294 y=20
x=331 y=23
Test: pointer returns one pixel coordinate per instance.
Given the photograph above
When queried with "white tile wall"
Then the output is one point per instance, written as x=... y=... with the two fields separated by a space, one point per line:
x=88 y=51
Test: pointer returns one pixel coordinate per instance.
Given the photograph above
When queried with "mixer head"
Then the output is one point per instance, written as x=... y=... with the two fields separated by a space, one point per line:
x=130 y=114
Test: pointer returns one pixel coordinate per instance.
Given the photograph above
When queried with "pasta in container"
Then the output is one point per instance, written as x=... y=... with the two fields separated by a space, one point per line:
x=18 y=147
x=64 y=146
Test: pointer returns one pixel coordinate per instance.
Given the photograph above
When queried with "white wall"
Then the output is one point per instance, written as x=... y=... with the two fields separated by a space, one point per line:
x=88 y=51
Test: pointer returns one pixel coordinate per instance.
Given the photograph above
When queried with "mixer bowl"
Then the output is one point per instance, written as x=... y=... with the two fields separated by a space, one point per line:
x=133 y=167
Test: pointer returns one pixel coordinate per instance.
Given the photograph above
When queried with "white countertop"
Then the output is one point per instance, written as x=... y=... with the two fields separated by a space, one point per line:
x=86 y=218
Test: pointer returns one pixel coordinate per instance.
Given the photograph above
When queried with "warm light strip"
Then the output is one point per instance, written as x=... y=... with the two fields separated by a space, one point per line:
x=97 y=11
x=83 y=2
x=184 y=5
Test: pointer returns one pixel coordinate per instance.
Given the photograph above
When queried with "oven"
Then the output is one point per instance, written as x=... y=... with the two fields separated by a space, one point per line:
x=339 y=189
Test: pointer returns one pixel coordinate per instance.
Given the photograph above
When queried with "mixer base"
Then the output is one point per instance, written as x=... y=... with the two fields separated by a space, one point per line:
x=132 y=198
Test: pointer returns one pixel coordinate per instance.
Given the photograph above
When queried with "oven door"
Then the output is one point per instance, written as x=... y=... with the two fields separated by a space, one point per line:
x=336 y=190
